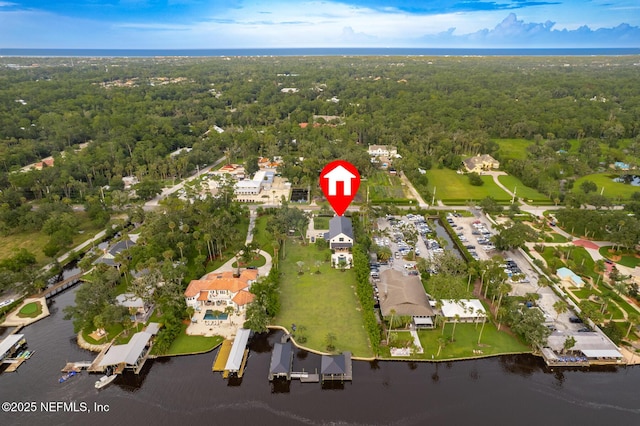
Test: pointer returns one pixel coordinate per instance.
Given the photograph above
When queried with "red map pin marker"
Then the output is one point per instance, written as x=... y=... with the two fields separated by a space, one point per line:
x=339 y=181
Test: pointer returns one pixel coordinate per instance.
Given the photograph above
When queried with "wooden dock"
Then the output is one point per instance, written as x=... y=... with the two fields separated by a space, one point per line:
x=244 y=363
x=223 y=355
x=95 y=365
x=76 y=366
x=14 y=364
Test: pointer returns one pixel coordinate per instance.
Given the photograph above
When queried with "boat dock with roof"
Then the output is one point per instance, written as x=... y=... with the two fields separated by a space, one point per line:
x=332 y=367
x=12 y=353
x=238 y=355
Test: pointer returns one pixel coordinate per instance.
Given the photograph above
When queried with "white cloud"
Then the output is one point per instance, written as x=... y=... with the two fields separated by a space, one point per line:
x=301 y=24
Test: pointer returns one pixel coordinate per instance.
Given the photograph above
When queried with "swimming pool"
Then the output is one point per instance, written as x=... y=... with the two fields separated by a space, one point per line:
x=209 y=315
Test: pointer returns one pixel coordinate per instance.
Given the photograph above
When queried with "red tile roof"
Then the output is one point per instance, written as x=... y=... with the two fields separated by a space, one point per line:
x=243 y=297
x=221 y=281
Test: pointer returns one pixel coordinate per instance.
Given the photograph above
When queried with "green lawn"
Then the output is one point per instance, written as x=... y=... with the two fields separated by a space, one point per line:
x=513 y=148
x=382 y=187
x=30 y=310
x=185 y=344
x=493 y=342
x=260 y=235
x=320 y=222
x=112 y=331
x=523 y=192
x=453 y=187
x=259 y=261
x=625 y=258
x=321 y=303
x=557 y=238
x=615 y=190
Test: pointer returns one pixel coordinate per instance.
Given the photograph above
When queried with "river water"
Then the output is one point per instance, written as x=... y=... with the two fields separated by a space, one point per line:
x=183 y=390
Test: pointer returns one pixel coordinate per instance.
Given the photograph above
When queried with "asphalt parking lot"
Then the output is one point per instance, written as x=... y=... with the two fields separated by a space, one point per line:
x=475 y=231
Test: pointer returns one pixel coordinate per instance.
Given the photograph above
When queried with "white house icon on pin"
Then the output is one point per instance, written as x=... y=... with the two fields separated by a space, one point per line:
x=339 y=174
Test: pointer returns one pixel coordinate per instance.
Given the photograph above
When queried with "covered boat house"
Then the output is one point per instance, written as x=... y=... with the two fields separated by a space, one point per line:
x=336 y=367
x=281 y=361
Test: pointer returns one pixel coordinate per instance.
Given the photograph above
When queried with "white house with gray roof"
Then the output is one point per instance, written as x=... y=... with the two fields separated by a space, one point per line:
x=340 y=235
x=340 y=238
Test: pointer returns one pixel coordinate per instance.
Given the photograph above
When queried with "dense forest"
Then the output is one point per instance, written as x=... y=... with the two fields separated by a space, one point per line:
x=105 y=118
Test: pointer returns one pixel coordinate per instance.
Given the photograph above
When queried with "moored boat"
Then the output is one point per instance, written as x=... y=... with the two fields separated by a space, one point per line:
x=105 y=380
x=67 y=376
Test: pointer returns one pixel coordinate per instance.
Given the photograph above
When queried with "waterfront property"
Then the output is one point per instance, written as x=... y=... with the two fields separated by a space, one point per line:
x=336 y=367
x=138 y=309
x=590 y=348
x=10 y=348
x=131 y=355
x=281 y=361
x=323 y=302
x=340 y=237
x=238 y=354
x=221 y=289
x=404 y=295
x=463 y=310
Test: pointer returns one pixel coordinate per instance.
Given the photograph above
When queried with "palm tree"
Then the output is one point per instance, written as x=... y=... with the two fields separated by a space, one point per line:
x=456 y=319
x=471 y=271
x=441 y=343
x=330 y=339
x=503 y=288
x=484 y=320
x=276 y=247
x=180 y=246
x=560 y=306
x=633 y=320
x=393 y=313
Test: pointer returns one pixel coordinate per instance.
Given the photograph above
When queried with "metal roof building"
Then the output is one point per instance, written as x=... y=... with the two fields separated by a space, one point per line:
x=234 y=363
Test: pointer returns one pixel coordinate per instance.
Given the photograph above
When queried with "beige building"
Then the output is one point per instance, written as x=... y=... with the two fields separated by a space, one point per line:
x=481 y=163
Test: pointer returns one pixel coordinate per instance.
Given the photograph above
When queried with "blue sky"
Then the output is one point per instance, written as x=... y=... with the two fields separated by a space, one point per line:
x=217 y=24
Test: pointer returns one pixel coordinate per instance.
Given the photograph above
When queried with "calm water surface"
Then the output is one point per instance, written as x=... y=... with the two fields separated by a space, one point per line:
x=183 y=390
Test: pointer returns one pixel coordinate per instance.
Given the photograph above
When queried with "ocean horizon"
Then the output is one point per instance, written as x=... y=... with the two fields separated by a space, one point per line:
x=329 y=51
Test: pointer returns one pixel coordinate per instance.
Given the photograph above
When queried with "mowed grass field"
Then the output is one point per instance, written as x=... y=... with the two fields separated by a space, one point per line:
x=615 y=190
x=455 y=188
x=465 y=342
x=523 y=192
x=513 y=148
x=322 y=303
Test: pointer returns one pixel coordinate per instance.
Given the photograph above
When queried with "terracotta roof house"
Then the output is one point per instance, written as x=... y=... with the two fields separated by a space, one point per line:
x=481 y=163
x=221 y=289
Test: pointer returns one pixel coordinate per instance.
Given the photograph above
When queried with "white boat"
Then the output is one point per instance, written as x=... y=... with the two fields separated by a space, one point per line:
x=105 y=380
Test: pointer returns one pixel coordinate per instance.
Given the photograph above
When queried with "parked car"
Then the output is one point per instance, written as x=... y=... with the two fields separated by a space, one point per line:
x=575 y=320
x=6 y=303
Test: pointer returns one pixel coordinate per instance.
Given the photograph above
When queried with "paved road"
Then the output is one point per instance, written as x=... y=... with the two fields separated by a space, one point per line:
x=153 y=203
